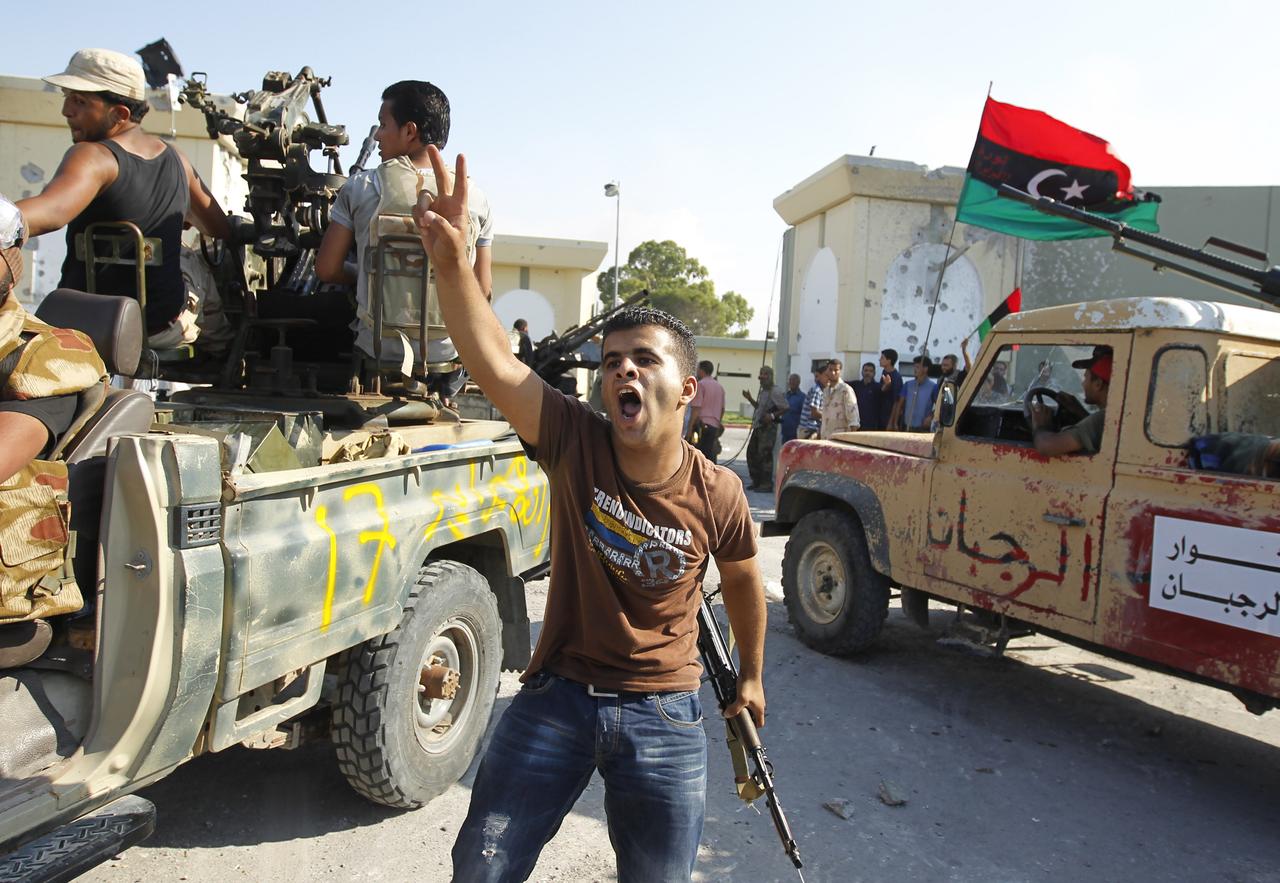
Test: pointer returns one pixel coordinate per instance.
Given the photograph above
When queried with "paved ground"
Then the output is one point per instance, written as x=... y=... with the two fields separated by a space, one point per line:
x=1049 y=764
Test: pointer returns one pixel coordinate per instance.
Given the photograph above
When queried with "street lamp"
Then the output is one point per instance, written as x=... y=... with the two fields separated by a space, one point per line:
x=614 y=189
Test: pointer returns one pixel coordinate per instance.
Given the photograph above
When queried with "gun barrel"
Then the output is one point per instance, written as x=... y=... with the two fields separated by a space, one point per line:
x=580 y=334
x=1267 y=281
x=750 y=737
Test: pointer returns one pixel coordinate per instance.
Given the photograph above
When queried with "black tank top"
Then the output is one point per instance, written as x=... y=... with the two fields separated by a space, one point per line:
x=153 y=194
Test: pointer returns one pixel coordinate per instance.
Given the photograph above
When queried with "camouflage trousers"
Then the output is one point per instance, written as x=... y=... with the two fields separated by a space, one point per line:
x=760 y=454
x=35 y=581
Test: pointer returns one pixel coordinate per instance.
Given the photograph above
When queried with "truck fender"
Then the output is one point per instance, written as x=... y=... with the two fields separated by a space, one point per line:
x=486 y=553
x=807 y=490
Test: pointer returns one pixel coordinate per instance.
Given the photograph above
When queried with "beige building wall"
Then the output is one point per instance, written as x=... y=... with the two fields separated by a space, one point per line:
x=34 y=137
x=737 y=361
x=869 y=237
x=544 y=281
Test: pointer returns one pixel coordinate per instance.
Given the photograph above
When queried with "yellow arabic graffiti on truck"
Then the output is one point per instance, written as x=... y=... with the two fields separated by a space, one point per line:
x=527 y=504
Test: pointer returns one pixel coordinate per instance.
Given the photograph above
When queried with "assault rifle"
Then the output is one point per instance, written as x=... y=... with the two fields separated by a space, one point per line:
x=555 y=356
x=1264 y=282
x=741 y=735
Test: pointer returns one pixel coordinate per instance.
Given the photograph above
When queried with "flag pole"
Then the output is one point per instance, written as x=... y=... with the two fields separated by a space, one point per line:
x=946 y=259
x=937 y=289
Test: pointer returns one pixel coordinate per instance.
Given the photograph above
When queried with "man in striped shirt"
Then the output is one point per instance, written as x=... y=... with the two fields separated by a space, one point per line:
x=811 y=416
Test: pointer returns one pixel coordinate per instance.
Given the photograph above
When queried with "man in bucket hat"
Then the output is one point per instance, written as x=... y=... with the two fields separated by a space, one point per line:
x=115 y=171
x=1085 y=436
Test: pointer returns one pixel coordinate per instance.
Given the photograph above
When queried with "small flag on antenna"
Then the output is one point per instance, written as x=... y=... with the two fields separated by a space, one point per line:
x=1011 y=304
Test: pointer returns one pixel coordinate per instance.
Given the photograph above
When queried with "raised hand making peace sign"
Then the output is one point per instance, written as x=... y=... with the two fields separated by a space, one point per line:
x=442 y=220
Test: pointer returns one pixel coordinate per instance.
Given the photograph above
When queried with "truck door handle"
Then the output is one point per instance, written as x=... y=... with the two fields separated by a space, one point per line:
x=1065 y=520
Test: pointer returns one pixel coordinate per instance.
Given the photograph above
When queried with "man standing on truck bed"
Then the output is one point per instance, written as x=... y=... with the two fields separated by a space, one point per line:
x=115 y=172
x=1084 y=437
x=413 y=115
x=636 y=516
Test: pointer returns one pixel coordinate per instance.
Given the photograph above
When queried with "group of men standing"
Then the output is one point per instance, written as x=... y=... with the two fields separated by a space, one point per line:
x=832 y=405
x=870 y=403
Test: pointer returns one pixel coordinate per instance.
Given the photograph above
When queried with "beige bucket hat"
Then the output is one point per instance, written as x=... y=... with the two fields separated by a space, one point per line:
x=102 y=70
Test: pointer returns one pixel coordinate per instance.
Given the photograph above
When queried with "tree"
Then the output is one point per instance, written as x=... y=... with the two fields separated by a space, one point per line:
x=679 y=285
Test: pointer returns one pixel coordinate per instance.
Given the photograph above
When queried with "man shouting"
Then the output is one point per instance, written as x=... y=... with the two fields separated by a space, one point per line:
x=637 y=515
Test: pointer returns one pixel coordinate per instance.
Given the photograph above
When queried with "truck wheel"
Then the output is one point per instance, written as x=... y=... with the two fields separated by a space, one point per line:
x=395 y=744
x=835 y=599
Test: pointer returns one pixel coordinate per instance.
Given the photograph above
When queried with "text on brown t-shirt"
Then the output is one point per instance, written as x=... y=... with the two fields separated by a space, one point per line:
x=628 y=559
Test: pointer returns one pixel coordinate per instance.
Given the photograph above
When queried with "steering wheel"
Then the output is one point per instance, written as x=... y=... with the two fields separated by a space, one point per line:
x=1039 y=394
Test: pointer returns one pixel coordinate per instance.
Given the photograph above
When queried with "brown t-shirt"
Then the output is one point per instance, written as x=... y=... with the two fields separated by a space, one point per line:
x=627 y=559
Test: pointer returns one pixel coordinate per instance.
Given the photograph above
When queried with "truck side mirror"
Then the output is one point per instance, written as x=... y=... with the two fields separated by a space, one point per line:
x=947 y=403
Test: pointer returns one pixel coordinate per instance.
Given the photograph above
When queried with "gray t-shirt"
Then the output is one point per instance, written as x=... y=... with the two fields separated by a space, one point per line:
x=1089 y=431
x=354 y=209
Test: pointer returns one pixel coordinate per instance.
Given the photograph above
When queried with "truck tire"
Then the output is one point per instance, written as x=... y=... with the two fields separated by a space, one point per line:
x=395 y=746
x=836 y=601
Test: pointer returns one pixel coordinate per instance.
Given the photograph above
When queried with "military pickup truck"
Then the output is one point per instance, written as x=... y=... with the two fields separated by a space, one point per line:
x=263 y=577
x=1140 y=550
x=305 y=544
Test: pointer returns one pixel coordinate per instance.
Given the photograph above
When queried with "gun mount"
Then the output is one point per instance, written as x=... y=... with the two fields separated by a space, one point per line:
x=293 y=342
x=1263 y=281
x=288 y=199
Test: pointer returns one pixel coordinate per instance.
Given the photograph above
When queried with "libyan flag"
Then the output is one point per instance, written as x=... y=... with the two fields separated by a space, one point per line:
x=1040 y=155
x=1011 y=304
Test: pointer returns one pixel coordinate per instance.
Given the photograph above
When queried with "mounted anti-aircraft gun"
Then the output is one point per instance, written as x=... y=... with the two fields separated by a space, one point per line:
x=295 y=341
x=556 y=355
x=288 y=200
x=1264 y=281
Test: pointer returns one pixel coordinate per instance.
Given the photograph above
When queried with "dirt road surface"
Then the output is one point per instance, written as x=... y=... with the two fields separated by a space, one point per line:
x=1048 y=764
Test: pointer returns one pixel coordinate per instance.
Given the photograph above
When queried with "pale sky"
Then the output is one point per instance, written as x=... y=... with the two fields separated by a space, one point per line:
x=705 y=112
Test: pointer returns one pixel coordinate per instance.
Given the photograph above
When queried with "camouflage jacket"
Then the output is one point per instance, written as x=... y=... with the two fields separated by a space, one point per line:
x=37 y=361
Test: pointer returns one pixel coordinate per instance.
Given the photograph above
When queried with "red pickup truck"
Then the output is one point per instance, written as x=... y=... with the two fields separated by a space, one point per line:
x=1140 y=550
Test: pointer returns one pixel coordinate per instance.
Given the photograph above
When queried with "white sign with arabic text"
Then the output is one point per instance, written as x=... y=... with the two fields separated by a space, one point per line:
x=1228 y=575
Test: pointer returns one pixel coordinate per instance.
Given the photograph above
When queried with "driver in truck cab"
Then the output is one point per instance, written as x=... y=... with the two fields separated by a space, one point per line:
x=1085 y=436
x=42 y=372
x=116 y=172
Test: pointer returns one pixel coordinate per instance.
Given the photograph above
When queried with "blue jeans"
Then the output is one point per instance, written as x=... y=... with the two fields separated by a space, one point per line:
x=650 y=750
